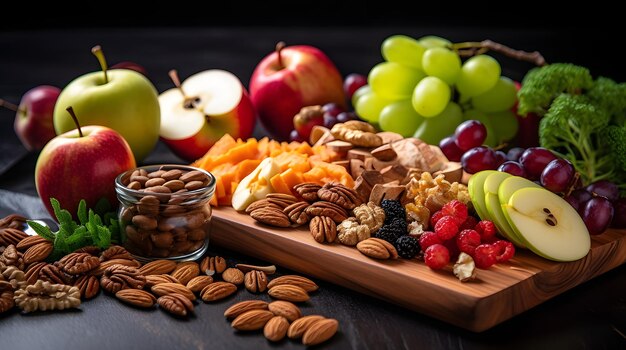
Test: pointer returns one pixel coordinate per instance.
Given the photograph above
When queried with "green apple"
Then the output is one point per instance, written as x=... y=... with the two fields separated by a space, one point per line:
x=476 y=189
x=120 y=99
x=547 y=224
x=510 y=185
x=494 y=210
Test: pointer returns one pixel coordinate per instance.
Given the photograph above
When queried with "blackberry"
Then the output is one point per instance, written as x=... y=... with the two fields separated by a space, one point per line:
x=399 y=223
x=393 y=209
x=389 y=233
x=407 y=246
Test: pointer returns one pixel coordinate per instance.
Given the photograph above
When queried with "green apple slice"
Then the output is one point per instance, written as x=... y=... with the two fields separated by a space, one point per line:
x=547 y=224
x=475 y=187
x=510 y=185
x=492 y=204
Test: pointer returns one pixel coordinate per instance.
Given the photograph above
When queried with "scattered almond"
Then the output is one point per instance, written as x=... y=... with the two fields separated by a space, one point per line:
x=158 y=267
x=217 y=290
x=241 y=307
x=184 y=273
x=286 y=309
x=320 y=331
x=170 y=288
x=276 y=328
x=153 y=280
x=295 y=280
x=251 y=320
x=198 y=283
x=299 y=326
x=233 y=275
x=288 y=292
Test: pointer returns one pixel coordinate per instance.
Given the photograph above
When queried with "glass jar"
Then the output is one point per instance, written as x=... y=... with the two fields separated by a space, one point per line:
x=165 y=212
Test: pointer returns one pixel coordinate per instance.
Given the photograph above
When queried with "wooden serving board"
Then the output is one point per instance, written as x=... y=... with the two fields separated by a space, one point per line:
x=497 y=294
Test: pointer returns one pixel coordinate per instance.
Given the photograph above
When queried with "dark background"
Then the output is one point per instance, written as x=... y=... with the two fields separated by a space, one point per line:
x=50 y=44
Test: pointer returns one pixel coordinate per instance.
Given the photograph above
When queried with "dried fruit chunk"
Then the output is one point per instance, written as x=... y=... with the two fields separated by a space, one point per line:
x=339 y=194
x=118 y=277
x=175 y=304
x=241 y=307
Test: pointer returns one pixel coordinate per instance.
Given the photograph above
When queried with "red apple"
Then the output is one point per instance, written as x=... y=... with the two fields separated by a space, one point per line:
x=33 y=122
x=291 y=78
x=306 y=119
x=82 y=164
x=202 y=109
x=130 y=65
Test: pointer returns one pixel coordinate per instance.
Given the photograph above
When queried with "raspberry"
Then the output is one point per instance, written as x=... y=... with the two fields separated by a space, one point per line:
x=429 y=238
x=452 y=248
x=436 y=256
x=485 y=256
x=467 y=241
x=435 y=217
x=505 y=250
x=468 y=224
x=407 y=247
x=456 y=209
x=486 y=229
x=447 y=227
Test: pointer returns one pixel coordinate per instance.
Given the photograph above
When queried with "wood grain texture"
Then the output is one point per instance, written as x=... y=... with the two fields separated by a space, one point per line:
x=497 y=294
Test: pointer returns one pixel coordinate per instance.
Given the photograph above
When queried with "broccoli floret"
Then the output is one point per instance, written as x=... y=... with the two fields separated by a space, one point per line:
x=573 y=128
x=606 y=93
x=614 y=138
x=541 y=85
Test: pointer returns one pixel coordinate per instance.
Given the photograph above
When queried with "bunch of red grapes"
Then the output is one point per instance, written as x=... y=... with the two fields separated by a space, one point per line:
x=598 y=204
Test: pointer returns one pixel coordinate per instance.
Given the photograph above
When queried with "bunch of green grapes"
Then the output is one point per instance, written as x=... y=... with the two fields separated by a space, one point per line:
x=424 y=89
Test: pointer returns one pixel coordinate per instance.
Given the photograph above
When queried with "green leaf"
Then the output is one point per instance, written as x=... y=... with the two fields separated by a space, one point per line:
x=82 y=212
x=78 y=239
x=63 y=216
x=41 y=230
x=104 y=236
x=116 y=233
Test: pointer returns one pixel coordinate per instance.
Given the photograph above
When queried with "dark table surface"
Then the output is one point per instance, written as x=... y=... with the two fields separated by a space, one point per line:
x=591 y=316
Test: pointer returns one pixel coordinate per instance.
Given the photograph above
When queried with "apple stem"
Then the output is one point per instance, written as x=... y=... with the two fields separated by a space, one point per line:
x=279 y=48
x=174 y=76
x=10 y=106
x=70 y=110
x=97 y=51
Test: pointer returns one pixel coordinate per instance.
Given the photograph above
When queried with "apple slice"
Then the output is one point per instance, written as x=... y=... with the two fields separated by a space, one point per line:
x=494 y=209
x=547 y=224
x=256 y=185
x=476 y=189
x=510 y=185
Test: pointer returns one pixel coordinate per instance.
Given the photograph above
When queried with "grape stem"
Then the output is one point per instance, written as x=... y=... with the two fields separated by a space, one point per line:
x=474 y=48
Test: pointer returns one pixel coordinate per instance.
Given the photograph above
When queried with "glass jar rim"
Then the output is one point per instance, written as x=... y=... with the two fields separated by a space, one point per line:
x=207 y=190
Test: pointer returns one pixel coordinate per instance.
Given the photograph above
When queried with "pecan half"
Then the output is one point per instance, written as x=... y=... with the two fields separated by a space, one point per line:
x=185 y=272
x=32 y=274
x=89 y=286
x=308 y=191
x=90 y=249
x=255 y=281
x=339 y=194
x=271 y=216
x=331 y=210
x=263 y=203
x=13 y=221
x=6 y=300
x=297 y=213
x=323 y=229
x=118 y=277
x=79 y=263
x=212 y=264
x=53 y=274
x=10 y=236
x=29 y=242
x=38 y=252
x=175 y=304
x=280 y=199
x=115 y=252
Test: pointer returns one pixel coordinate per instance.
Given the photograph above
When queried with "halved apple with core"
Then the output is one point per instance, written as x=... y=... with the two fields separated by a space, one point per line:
x=547 y=224
x=198 y=112
x=494 y=209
